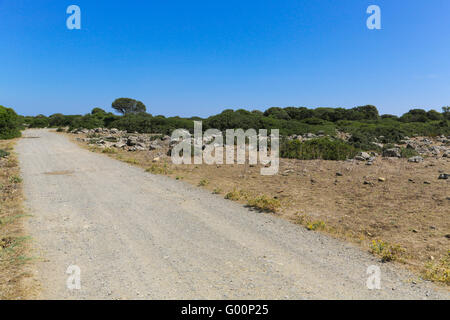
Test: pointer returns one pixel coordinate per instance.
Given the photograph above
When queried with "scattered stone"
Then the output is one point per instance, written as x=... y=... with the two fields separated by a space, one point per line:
x=443 y=176
x=381 y=179
x=338 y=174
x=415 y=159
x=364 y=155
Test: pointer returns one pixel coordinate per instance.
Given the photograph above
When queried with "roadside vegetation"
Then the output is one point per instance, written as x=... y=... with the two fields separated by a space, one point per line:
x=14 y=255
x=10 y=123
x=364 y=125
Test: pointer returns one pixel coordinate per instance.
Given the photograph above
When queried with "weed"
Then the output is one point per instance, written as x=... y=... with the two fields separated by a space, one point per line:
x=408 y=153
x=386 y=251
x=3 y=153
x=236 y=195
x=203 y=182
x=15 y=179
x=131 y=161
x=217 y=191
x=109 y=150
x=264 y=203
x=439 y=271
x=157 y=169
x=316 y=225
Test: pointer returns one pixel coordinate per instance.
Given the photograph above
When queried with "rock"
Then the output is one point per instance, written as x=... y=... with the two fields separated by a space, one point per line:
x=131 y=141
x=381 y=179
x=154 y=146
x=392 y=153
x=338 y=174
x=415 y=159
x=444 y=176
x=156 y=159
x=119 y=144
x=364 y=155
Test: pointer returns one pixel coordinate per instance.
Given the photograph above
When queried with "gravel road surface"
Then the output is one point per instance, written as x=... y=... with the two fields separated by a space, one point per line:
x=135 y=235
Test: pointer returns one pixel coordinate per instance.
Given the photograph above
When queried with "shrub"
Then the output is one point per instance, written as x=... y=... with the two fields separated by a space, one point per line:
x=322 y=148
x=439 y=271
x=3 y=153
x=386 y=251
x=236 y=195
x=264 y=203
x=9 y=123
x=40 y=121
x=408 y=152
x=316 y=225
x=203 y=182
x=217 y=191
x=15 y=179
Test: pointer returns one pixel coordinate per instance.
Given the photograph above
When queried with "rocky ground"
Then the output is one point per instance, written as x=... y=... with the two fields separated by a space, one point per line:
x=378 y=200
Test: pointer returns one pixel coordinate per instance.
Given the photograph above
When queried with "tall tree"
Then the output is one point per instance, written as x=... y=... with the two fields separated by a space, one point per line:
x=128 y=106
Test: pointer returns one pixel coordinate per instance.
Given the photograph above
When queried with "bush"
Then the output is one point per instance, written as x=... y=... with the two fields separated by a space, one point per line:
x=9 y=123
x=264 y=203
x=40 y=121
x=386 y=251
x=3 y=153
x=322 y=148
x=440 y=270
x=408 y=153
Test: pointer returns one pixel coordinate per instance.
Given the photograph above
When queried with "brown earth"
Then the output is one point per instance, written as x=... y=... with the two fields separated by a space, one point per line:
x=16 y=278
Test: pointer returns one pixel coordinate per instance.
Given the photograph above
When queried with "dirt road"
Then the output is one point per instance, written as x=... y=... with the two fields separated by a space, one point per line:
x=135 y=235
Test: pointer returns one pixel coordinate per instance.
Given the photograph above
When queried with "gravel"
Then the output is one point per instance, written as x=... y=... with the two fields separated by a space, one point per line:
x=135 y=235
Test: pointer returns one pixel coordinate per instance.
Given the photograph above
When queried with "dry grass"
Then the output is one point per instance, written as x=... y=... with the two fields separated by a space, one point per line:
x=408 y=208
x=15 y=275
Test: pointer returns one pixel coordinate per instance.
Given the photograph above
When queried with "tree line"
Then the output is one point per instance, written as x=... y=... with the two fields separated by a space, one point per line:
x=363 y=122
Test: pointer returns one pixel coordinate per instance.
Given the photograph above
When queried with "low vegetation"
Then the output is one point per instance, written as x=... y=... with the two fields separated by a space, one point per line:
x=13 y=242
x=322 y=148
x=387 y=252
x=10 y=123
x=363 y=123
x=264 y=203
x=439 y=271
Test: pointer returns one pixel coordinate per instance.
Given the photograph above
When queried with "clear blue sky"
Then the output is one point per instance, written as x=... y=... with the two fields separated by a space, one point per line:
x=198 y=57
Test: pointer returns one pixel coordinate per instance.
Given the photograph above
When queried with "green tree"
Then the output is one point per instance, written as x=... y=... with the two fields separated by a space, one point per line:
x=128 y=106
